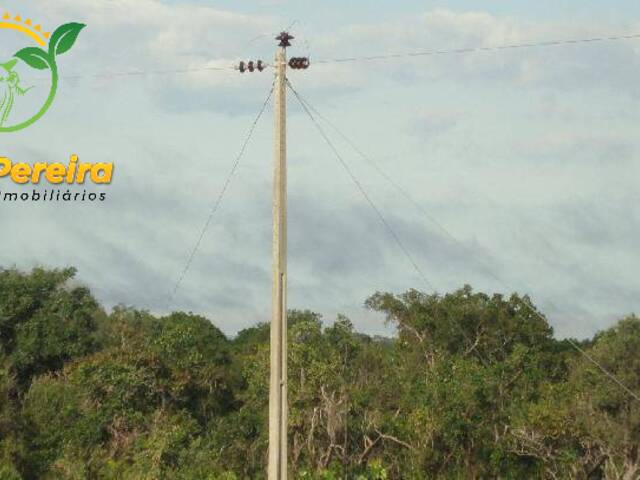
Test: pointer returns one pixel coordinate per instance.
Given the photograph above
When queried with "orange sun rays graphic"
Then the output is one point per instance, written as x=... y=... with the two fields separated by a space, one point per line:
x=26 y=27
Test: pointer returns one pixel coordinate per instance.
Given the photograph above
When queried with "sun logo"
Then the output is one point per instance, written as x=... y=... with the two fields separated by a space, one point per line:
x=61 y=41
x=26 y=27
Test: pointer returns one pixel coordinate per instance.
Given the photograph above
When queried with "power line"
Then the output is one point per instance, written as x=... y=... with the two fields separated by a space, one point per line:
x=604 y=370
x=378 y=212
x=403 y=192
x=218 y=200
x=136 y=73
x=364 y=193
x=458 y=51
x=482 y=263
x=142 y=73
x=366 y=58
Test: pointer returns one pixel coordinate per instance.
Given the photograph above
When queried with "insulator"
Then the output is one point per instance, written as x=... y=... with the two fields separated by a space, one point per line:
x=284 y=38
x=298 y=63
x=251 y=66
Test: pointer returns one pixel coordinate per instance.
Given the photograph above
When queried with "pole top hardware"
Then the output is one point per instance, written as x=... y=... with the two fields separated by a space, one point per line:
x=284 y=38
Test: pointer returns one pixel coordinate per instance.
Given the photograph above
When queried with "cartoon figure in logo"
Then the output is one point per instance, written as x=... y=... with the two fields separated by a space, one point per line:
x=9 y=89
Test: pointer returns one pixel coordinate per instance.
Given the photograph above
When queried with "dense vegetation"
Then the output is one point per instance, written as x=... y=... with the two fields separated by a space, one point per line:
x=473 y=386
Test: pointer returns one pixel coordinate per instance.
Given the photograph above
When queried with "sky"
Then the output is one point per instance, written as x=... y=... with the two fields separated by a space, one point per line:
x=529 y=158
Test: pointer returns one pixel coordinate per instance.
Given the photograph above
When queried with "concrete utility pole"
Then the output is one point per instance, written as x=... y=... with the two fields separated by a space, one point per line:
x=278 y=411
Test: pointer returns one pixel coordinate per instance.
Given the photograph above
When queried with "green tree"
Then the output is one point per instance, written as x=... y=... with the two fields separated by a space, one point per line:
x=45 y=321
x=472 y=386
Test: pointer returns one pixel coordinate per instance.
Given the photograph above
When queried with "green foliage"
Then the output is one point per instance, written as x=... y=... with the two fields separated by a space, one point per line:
x=44 y=321
x=464 y=322
x=474 y=386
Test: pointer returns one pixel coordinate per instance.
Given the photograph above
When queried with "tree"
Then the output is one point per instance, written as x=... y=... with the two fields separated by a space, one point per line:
x=45 y=321
x=472 y=386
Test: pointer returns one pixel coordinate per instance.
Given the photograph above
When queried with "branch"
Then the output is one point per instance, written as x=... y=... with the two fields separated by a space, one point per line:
x=394 y=439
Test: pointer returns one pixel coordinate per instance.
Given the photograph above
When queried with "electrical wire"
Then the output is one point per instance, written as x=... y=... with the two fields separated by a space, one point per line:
x=482 y=263
x=366 y=58
x=154 y=72
x=402 y=191
x=362 y=190
x=141 y=73
x=459 y=51
x=218 y=200
x=378 y=212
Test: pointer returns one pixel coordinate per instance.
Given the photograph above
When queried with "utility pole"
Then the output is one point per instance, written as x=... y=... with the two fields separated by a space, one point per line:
x=278 y=409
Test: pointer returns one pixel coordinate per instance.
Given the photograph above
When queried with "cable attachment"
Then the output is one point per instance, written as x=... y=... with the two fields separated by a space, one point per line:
x=299 y=63
x=251 y=66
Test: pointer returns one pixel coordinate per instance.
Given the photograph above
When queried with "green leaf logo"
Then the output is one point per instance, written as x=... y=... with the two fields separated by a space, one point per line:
x=34 y=57
x=64 y=38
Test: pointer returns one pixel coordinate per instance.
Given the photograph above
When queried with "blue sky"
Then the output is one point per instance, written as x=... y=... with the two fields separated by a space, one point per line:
x=530 y=158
